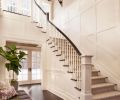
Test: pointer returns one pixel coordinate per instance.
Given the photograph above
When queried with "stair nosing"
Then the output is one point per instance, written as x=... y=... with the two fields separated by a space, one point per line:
x=98 y=77
x=106 y=95
x=102 y=85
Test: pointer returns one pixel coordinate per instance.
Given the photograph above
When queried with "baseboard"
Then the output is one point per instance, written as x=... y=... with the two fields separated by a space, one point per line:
x=59 y=92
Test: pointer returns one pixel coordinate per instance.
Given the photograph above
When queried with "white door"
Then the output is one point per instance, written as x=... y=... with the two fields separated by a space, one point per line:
x=30 y=72
x=36 y=76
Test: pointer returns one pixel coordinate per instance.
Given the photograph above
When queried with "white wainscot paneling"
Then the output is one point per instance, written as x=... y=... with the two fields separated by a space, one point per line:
x=108 y=49
x=107 y=14
x=86 y=4
x=88 y=22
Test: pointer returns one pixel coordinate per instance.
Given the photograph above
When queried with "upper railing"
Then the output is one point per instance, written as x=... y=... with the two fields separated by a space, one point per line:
x=20 y=7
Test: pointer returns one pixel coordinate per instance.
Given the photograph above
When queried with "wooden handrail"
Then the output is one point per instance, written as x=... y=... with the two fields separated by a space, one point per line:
x=47 y=15
x=40 y=8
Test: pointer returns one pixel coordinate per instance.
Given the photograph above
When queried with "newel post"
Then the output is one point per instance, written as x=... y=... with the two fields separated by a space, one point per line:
x=86 y=69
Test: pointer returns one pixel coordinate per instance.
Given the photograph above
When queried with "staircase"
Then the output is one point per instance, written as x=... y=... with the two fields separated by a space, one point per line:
x=101 y=89
x=71 y=57
x=69 y=54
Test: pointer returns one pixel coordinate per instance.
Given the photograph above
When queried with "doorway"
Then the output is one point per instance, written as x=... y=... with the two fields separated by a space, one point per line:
x=30 y=72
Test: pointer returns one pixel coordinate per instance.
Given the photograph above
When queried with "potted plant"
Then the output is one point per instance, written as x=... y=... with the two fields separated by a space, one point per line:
x=14 y=58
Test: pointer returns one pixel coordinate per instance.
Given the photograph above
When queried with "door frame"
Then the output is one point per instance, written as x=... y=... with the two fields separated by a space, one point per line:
x=29 y=49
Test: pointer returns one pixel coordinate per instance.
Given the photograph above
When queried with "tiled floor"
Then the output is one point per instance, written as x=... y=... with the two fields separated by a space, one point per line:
x=36 y=93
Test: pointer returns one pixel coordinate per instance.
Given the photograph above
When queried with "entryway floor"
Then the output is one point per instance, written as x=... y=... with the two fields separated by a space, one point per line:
x=36 y=93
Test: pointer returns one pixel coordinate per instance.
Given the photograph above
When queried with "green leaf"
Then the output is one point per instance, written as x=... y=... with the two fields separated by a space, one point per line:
x=14 y=58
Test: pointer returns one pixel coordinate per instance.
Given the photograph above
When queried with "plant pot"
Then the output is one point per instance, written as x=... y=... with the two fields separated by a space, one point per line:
x=14 y=83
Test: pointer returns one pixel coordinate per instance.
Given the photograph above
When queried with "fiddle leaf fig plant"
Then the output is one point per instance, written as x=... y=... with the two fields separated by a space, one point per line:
x=14 y=57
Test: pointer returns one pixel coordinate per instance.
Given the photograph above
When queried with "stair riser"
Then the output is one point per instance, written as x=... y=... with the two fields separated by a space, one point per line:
x=110 y=98
x=95 y=73
x=98 y=81
x=103 y=89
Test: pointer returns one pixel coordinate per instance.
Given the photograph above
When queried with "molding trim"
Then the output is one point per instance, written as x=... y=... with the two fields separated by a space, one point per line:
x=20 y=39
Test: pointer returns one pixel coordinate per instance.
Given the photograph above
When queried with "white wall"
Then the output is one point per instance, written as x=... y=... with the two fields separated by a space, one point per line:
x=18 y=28
x=94 y=27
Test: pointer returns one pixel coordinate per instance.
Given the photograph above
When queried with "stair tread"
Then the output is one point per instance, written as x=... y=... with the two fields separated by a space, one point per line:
x=102 y=85
x=94 y=70
x=106 y=95
x=98 y=77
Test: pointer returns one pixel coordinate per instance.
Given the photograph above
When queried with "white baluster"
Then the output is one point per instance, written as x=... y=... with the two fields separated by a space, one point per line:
x=70 y=68
x=69 y=56
x=77 y=73
x=74 y=63
x=67 y=52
